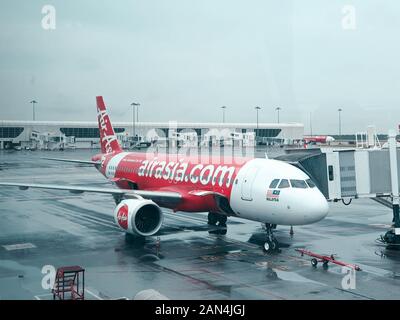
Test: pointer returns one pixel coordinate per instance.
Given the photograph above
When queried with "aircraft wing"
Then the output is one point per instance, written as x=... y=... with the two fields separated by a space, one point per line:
x=73 y=161
x=167 y=197
x=203 y=193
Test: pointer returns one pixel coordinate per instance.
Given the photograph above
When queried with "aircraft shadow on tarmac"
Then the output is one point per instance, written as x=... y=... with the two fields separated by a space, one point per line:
x=143 y=249
x=148 y=245
x=147 y=249
x=392 y=253
x=217 y=230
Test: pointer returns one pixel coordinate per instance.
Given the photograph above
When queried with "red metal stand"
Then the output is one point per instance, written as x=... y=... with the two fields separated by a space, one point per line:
x=69 y=283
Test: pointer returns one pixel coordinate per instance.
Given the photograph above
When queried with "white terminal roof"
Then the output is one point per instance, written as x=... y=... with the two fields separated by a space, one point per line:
x=84 y=124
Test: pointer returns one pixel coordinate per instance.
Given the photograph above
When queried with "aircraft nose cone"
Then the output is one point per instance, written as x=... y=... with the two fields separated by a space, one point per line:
x=318 y=207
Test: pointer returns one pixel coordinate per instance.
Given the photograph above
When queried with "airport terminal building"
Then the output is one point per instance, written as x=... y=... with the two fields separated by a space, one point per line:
x=62 y=134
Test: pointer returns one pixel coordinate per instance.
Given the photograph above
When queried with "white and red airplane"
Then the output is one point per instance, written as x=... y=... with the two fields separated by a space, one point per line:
x=269 y=191
x=318 y=139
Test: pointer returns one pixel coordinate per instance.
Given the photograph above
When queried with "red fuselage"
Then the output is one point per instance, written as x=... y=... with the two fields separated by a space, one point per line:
x=176 y=173
x=317 y=139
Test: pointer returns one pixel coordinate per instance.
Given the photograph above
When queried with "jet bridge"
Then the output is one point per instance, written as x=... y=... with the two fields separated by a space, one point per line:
x=345 y=174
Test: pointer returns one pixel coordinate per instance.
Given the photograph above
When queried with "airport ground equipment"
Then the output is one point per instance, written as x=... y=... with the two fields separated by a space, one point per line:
x=69 y=283
x=325 y=259
x=343 y=174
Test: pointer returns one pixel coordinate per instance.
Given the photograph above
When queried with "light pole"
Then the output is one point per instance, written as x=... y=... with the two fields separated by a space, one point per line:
x=310 y=123
x=278 y=109
x=257 y=108
x=223 y=113
x=340 y=121
x=134 y=104
x=33 y=109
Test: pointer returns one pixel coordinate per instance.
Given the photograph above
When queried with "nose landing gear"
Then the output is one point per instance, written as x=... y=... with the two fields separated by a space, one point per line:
x=271 y=244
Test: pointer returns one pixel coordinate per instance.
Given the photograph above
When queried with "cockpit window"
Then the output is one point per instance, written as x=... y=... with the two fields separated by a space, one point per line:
x=310 y=183
x=284 y=184
x=301 y=184
x=274 y=183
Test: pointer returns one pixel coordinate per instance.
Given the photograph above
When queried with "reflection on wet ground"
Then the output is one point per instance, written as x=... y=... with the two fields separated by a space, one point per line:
x=187 y=259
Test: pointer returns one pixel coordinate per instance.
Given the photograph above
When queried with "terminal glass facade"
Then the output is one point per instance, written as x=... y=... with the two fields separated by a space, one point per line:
x=267 y=133
x=85 y=132
x=10 y=132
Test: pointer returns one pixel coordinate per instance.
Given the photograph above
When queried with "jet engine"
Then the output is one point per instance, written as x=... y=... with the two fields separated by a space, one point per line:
x=138 y=216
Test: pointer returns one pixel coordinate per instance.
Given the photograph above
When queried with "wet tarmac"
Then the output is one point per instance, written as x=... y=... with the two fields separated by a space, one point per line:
x=187 y=259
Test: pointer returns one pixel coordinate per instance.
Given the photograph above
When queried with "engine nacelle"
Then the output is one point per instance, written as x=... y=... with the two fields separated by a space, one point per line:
x=138 y=216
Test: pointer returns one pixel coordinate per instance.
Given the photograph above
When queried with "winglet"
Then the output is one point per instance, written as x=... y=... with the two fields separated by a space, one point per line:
x=108 y=139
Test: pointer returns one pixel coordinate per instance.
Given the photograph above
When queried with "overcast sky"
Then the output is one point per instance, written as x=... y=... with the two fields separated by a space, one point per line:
x=183 y=59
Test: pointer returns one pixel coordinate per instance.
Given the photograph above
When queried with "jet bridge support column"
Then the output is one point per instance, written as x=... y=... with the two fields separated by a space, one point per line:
x=393 y=236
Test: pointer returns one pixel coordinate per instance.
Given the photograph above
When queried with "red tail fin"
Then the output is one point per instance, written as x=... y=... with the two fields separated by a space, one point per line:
x=108 y=139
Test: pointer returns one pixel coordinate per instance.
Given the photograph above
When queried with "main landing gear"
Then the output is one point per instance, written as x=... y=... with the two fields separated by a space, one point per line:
x=214 y=218
x=271 y=244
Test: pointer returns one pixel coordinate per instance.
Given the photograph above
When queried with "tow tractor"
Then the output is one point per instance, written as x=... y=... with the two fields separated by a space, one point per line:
x=325 y=259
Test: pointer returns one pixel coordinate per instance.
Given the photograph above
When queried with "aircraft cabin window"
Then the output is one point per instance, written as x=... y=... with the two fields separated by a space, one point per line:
x=274 y=183
x=310 y=183
x=301 y=184
x=284 y=184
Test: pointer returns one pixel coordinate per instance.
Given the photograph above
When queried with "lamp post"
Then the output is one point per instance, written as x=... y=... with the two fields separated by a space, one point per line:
x=278 y=109
x=134 y=104
x=33 y=109
x=340 y=121
x=257 y=108
x=223 y=113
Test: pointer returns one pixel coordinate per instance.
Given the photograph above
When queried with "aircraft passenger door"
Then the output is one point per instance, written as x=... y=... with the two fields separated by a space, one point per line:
x=247 y=184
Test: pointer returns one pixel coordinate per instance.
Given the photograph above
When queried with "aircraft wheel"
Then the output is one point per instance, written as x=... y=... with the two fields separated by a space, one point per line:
x=314 y=262
x=325 y=265
x=270 y=246
x=212 y=218
x=222 y=219
x=275 y=244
